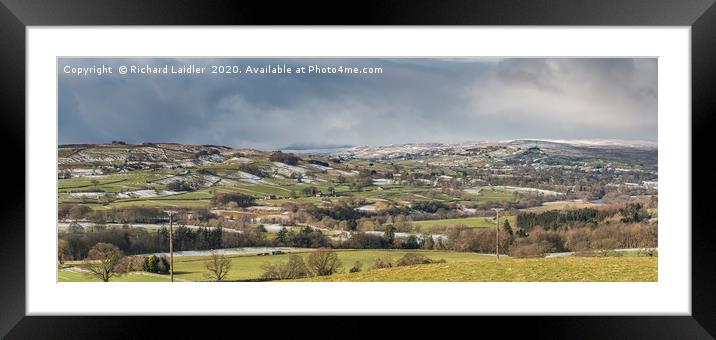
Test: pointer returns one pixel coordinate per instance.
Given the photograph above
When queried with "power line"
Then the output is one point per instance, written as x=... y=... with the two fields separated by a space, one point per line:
x=171 y=243
x=497 y=233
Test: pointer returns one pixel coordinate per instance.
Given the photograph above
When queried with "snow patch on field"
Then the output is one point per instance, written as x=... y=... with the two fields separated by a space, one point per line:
x=148 y=193
x=86 y=173
x=406 y=235
x=382 y=181
x=318 y=167
x=247 y=177
x=64 y=225
x=240 y=160
x=263 y=208
x=287 y=170
x=367 y=208
x=342 y=173
x=275 y=228
x=88 y=194
x=234 y=251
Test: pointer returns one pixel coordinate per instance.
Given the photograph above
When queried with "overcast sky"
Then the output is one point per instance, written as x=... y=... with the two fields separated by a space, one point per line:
x=413 y=100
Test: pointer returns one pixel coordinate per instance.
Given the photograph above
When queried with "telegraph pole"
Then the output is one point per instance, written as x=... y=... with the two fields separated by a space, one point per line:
x=171 y=244
x=497 y=233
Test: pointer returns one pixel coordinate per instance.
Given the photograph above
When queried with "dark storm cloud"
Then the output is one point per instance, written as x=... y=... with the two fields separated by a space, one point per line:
x=414 y=100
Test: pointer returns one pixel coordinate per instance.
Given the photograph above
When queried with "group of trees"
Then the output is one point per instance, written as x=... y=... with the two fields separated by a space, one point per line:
x=629 y=213
x=540 y=241
x=179 y=186
x=306 y=237
x=286 y=158
x=129 y=215
x=253 y=169
x=344 y=214
x=76 y=242
x=324 y=262
x=535 y=234
x=321 y=262
x=235 y=199
x=342 y=210
x=431 y=206
x=136 y=214
x=153 y=264
x=106 y=261
x=388 y=240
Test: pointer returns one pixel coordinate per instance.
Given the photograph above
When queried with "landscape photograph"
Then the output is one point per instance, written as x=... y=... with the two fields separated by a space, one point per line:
x=400 y=169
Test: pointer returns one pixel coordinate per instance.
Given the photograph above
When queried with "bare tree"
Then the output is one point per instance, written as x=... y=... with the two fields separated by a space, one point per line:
x=63 y=251
x=102 y=260
x=324 y=262
x=218 y=266
x=295 y=268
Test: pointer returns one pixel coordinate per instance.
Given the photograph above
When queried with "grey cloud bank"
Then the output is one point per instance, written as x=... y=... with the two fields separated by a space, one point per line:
x=413 y=100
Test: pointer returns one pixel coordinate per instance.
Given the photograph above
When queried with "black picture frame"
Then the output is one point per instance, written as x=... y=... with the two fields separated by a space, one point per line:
x=16 y=15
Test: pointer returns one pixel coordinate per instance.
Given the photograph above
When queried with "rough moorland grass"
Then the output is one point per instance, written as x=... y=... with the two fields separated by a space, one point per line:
x=561 y=269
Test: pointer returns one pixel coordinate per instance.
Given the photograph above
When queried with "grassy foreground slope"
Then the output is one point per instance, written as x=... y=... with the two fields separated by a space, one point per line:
x=247 y=267
x=560 y=269
x=460 y=266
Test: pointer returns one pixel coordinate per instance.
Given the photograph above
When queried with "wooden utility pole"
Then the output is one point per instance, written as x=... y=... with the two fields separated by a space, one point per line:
x=497 y=233
x=171 y=244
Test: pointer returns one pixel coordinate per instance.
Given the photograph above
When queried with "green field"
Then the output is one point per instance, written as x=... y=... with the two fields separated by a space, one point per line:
x=562 y=205
x=471 y=222
x=249 y=266
x=113 y=183
x=494 y=195
x=459 y=267
x=559 y=269
x=159 y=203
x=281 y=188
x=71 y=276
